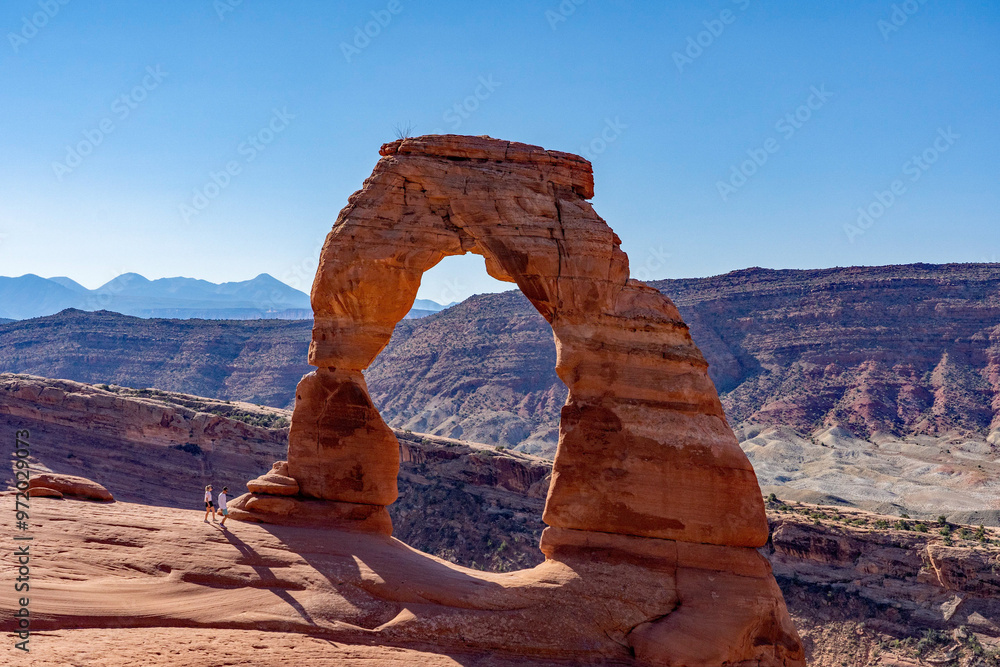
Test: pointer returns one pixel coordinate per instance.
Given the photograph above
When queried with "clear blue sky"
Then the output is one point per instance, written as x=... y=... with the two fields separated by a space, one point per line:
x=681 y=127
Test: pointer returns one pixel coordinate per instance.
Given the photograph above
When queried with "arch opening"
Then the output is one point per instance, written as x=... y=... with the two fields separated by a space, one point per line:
x=483 y=372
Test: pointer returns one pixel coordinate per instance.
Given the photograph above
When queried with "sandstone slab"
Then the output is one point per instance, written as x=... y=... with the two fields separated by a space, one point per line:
x=71 y=485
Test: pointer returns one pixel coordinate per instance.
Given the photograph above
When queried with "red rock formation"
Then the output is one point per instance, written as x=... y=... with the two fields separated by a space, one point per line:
x=644 y=448
x=67 y=485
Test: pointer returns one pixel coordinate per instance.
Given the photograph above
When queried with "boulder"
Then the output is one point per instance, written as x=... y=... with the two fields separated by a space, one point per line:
x=70 y=485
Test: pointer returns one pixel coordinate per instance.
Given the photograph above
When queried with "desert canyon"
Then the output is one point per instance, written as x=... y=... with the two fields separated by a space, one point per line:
x=656 y=547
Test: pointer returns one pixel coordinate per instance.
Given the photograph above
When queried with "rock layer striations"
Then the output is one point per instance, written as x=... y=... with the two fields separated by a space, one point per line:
x=646 y=470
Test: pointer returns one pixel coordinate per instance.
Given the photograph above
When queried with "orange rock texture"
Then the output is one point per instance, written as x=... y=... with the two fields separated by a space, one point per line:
x=646 y=470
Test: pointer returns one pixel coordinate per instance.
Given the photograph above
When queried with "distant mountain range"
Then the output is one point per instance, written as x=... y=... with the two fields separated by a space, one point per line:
x=263 y=297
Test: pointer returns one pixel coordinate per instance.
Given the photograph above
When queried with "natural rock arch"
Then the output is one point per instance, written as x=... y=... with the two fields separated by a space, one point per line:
x=646 y=463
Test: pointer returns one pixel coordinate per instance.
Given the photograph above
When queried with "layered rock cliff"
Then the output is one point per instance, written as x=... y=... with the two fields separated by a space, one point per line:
x=896 y=350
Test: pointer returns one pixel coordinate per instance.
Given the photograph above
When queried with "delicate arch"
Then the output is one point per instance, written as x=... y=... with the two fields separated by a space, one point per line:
x=644 y=448
x=653 y=509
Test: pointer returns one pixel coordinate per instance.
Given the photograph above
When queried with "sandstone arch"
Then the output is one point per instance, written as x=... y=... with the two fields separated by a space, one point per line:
x=646 y=463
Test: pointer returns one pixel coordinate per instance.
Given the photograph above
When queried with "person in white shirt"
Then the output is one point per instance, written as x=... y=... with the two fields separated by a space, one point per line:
x=209 y=508
x=222 y=505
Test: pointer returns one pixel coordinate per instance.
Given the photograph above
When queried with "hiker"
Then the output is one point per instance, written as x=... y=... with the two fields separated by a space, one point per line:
x=222 y=505
x=209 y=507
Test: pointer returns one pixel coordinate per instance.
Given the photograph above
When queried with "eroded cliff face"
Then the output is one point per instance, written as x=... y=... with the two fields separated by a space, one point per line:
x=875 y=589
x=471 y=504
x=896 y=350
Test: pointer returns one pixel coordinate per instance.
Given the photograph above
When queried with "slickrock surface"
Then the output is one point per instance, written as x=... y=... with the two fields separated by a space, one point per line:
x=208 y=647
x=649 y=485
x=133 y=566
x=124 y=584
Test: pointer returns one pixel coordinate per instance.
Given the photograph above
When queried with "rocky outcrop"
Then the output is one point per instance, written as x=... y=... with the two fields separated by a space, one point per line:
x=647 y=470
x=67 y=485
x=276 y=482
x=879 y=590
x=150 y=416
x=43 y=492
x=143 y=445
